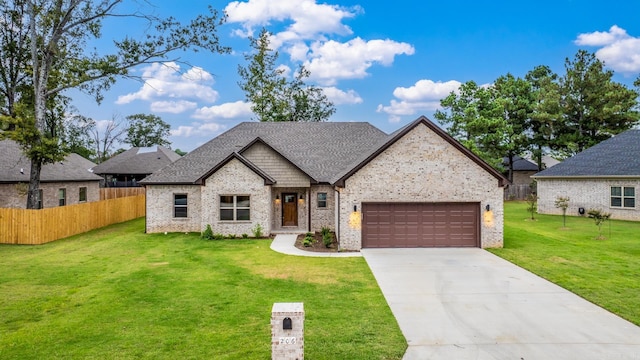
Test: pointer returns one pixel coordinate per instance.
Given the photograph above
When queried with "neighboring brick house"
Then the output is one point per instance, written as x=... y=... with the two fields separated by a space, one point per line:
x=417 y=187
x=605 y=176
x=133 y=165
x=523 y=169
x=65 y=182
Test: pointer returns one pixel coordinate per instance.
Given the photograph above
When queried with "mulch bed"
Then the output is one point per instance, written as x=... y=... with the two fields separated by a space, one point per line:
x=318 y=245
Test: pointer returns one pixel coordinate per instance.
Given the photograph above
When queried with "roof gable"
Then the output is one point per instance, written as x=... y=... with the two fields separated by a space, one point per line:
x=268 y=180
x=618 y=156
x=366 y=158
x=138 y=160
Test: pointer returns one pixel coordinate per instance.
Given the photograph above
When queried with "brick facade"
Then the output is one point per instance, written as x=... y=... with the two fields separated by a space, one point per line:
x=321 y=217
x=14 y=195
x=160 y=209
x=421 y=167
x=586 y=193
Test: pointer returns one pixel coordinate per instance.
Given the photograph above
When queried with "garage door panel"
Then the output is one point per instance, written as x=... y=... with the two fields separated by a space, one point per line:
x=420 y=225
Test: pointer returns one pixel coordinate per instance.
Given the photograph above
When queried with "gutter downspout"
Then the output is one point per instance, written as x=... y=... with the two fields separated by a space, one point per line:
x=309 y=207
x=338 y=219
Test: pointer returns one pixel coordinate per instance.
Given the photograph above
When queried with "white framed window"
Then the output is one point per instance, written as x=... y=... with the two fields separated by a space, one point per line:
x=62 y=197
x=82 y=194
x=180 y=205
x=322 y=200
x=623 y=197
x=235 y=208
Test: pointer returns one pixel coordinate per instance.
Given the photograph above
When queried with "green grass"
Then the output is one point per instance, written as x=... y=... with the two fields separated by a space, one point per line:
x=605 y=272
x=117 y=293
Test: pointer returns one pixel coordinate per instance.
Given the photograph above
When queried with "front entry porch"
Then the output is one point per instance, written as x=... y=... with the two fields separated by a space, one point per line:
x=290 y=210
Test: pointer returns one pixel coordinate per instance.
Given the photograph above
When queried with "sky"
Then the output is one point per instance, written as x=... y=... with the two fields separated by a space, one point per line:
x=383 y=62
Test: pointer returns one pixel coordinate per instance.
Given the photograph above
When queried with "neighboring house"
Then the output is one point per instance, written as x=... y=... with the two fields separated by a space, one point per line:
x=128 y=168
x=417 y=187
x=605 y=176
x=522 y=170
x=65 y=182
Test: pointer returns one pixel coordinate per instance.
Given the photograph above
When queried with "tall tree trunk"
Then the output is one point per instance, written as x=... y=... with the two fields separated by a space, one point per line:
x=34 y=184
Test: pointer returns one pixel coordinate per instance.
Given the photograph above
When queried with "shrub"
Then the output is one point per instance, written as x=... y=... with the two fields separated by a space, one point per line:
x=308 y=240
x=562 y=202
x=207 y=234
x=257 y=231
x=244 y=236
x=218 y=237
x=231 y=236
x=532 y=202
x=599 y=217
x=325 y=230
x=327 y=239
x=309 y=234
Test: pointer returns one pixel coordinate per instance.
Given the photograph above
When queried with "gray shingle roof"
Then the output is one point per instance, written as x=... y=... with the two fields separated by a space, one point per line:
x=319 y=149
x=617 y=156
x=520 y=164
x=138 y=161
x=73 y=168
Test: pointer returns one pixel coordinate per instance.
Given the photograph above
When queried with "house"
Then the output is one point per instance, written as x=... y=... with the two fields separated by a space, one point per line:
x=67 y=182
x=605 y=176
x=417 y=187
x=128 y=168
x=523 y=169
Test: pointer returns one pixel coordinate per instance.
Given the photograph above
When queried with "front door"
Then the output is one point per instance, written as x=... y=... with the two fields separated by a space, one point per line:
x=289 y=210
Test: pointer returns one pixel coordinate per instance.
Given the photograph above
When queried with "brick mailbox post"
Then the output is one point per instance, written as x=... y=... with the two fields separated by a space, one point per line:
x=287 y=331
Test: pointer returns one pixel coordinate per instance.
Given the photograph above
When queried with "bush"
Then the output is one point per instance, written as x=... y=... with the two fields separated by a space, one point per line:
x=231 y=236
x=207 y=234
x=257 y=231
x=325 y=231
x=309 y=234
x=327 y=239
x=244 y=236
x=218 y=237
x=308 y=240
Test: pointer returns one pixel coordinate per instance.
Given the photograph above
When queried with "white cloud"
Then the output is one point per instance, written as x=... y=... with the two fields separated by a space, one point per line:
x=618 y=50
x=424 y=95
x=197 y=129
x=232 y=110
x=307 y=18
x=173 y=107
x=164 y=81
x=332 y=60
x=338 y=97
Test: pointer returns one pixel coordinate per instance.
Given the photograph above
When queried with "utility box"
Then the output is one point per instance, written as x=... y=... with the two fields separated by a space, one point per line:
x=287 y=331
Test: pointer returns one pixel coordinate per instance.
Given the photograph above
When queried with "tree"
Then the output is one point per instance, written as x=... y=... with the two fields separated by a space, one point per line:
x=55 y=35
x=562 y=202
x=594 y=107
x=273 y=97
x=106 y=136
x=532 y=204
x=599 y=217
x=147 y=130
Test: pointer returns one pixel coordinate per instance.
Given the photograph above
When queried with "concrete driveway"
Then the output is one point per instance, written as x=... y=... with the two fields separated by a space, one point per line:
x=470 y=304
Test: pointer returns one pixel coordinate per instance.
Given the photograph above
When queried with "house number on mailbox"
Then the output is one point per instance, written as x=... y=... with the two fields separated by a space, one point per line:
x=288 y=340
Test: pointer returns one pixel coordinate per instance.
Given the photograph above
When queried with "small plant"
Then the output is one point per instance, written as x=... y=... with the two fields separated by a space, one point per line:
x=325 y=230
x=218 y=237
x=257 y=231
x=245 y=236
x=308 y=240
x=308 y=234
x=327 y=239
x=231 y=236
x=532 y=202
x=599 y=217
x=207 y=234
x=562 y=202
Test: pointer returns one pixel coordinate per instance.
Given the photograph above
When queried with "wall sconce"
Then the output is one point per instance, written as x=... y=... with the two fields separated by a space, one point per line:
x=355 y=208
x=277 y=199
x=488 y=207
x=301 y=199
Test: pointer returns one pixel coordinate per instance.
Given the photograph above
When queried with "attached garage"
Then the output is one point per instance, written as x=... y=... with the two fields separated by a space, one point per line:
x=406 y=225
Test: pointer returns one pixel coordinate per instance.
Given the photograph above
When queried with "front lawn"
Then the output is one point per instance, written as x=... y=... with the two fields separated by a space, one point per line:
x=605 y=272
x=117 y=293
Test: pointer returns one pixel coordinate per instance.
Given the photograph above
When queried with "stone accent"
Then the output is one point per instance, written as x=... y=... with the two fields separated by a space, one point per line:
x=234 y=178
x=303 y=209
x=287 y=344
x=279 y=168
x=160 y=209
x=321 y=217
x=12 y=197
x=421 y=167
x=586 y=193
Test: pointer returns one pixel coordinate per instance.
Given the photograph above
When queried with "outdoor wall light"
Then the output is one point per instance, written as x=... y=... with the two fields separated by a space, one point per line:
x=488 y=207
x=355 y=208
x=277 y=199
x=301 y=197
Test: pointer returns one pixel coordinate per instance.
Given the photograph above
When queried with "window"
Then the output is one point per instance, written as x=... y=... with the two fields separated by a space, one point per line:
x=235 y=207
x=39 y=202
x=62 y=197
x=322 y=200
x=623 y=196
x=180 y=205
x=82 y=194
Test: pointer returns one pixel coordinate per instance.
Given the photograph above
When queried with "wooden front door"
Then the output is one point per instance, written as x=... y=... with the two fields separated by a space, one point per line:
x=289 y=210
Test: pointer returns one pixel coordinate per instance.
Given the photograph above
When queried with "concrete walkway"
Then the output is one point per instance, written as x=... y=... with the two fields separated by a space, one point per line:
x=470 y=304
x=285 y=243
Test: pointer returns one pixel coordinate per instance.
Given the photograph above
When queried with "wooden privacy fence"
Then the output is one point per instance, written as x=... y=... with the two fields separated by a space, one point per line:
x=114 y=193
x=35 y=227
x=517 y=192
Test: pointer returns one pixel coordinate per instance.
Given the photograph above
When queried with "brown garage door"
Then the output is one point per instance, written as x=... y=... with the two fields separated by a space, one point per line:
x=405 y=225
